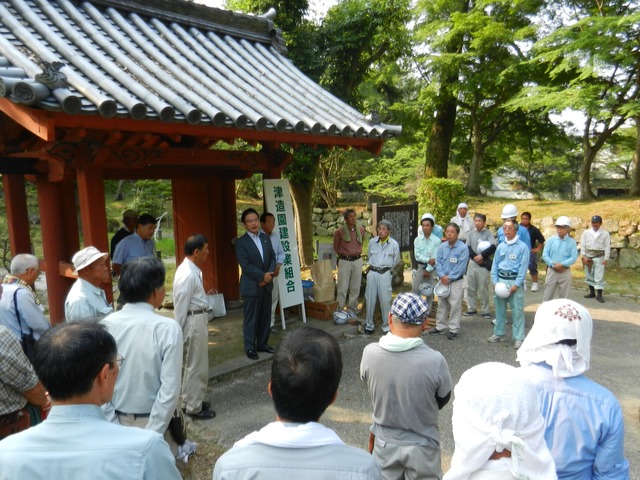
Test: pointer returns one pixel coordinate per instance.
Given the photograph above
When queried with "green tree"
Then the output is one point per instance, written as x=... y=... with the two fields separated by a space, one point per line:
x=152 y=196
x=437 y=43
x=593 y=64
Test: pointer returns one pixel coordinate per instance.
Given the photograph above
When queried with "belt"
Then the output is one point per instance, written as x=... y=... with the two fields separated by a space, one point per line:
x=348 y=258
x=198 y=312
x=595 y=253
x=379 y=269
x=134 y=415
x=507 y=275
x=13 y=417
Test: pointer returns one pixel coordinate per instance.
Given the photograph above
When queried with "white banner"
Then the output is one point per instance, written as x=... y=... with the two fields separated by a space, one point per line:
x=278 y=200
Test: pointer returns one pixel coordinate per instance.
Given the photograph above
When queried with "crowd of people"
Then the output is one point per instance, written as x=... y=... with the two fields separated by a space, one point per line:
x=108 y=421
x=465 y=263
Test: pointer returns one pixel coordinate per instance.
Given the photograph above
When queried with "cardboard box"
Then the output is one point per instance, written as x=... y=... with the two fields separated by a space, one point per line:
x=324 y=294
x=320 y=310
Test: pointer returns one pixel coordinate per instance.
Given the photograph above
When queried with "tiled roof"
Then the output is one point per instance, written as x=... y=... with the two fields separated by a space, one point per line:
x=164 y=60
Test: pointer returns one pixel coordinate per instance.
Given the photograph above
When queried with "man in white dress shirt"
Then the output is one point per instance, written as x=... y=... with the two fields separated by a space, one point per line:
x=146 y=393
x=191 y=311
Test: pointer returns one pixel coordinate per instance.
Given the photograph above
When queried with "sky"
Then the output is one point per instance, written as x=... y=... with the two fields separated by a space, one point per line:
x=317 y=7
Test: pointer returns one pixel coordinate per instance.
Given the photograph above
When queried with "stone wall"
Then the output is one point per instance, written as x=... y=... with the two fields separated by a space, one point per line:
x=327 y=220
x=625 y=237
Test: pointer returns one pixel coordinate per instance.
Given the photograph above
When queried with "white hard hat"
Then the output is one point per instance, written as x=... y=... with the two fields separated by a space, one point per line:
x=509 y=211
x=502 y=290
x=340 y=318
x=428 y=215
x=483 y=245
x=563 y=221
x=426 y=289
x=441 y=290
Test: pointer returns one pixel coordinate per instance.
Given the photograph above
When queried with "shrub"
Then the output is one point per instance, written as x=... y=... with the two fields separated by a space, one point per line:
x=440 y=196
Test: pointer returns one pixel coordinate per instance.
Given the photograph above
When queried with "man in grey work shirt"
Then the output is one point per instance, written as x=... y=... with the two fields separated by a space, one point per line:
x=384 y=253
x=191 y=311
x=408 y=383
x=146 y=393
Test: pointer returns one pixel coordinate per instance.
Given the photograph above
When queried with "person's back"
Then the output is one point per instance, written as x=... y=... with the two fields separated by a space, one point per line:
x=290 y=462
x=78 y=364
x=305 y=374
x=149 y=340
x=397 y=417
x=584 y=428
x=584 y=425
x=408 y=383
x=76 y=441
x=146 y=396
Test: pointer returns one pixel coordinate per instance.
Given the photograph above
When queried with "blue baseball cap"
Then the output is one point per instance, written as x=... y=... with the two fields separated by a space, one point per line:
x=410 y=308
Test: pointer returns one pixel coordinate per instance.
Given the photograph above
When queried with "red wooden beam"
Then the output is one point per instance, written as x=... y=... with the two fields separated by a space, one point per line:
x=37 y=122
x=228 y=134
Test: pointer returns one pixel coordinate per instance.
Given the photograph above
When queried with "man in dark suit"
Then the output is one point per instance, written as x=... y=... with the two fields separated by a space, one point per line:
x=258 y=261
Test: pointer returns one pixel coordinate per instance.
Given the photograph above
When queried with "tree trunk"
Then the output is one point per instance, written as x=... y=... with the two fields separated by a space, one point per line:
x=301 y=192
x=635 y=174
x=473 y=183
x=120 y=190
x=589 y=153
x=439 y=142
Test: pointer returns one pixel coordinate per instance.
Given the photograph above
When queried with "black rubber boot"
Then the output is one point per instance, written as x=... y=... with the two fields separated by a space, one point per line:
x=599 y=298
x=592 y=293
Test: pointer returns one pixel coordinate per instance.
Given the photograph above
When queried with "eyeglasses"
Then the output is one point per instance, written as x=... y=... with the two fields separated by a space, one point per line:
x=119 y=360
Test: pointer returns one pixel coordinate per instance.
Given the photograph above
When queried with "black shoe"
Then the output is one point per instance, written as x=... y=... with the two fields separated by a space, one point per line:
x=205 y=406
x=470 y=313
x=599 y=298
x=252 y=354
x=267 y=349
x=368 y=332
x=591 y=294
x=203 y=415
x=452 y=336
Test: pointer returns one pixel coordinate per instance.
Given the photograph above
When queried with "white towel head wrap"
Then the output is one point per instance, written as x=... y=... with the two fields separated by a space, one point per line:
x=557 y=320
x=496 y=409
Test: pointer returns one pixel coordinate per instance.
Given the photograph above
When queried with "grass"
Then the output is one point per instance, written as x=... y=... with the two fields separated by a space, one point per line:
x=613 y=209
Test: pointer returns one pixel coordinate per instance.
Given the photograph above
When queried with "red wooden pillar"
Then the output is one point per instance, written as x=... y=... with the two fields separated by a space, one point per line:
x=58 y=244
x=226 y=221
x=93 y=211
x=17 y=214
x=92 y=207
x=206 y=205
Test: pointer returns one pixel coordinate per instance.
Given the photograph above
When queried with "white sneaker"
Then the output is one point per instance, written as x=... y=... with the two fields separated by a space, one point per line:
x=493 y=322
x=495 y=338
x=535 y=287
x=517 y=344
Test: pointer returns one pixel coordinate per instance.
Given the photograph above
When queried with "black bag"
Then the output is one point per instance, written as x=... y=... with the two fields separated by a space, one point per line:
x=177 y=427
x=28 y=340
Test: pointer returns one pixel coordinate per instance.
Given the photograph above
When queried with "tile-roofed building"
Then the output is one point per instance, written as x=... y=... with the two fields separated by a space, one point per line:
x=165 y=60
x=130 y=89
